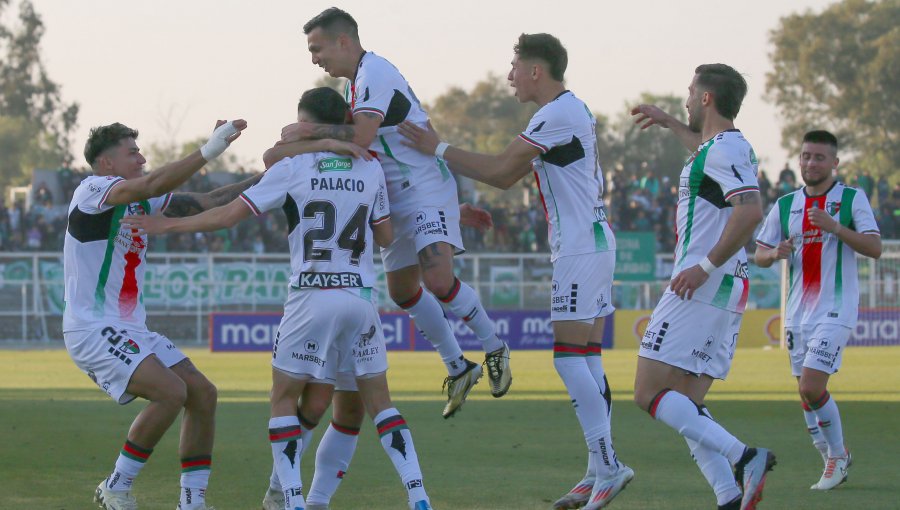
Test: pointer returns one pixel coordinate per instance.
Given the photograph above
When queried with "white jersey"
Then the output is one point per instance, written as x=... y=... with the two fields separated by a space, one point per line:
x=331 y=203
x=412 y=178
x=722 y=167
x=824 y=287
x=103 y=261
x=569 y=177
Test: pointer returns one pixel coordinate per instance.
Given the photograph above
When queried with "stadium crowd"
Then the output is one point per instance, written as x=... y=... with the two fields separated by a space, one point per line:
x=636 y=203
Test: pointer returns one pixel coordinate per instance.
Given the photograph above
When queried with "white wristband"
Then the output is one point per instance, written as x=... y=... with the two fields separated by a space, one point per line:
x=218 y=142
x=706 y=265
x=440 y=149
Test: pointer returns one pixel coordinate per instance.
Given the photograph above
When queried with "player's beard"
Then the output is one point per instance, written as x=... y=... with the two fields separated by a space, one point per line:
x=814 y=182
x=695 y=124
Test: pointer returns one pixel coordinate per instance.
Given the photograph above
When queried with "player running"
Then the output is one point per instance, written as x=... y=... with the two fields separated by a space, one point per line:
x=424 y=201
x=560 y=147
x=104 y=323
x=336 y=206
x=692 y=334
x=819 y=229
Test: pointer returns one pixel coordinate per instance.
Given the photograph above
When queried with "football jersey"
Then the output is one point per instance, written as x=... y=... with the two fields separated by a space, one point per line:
x=412 y=177
x=824 y=286
x=331 y=203
x=569 y=177
x=722 y=167
x=103 y=261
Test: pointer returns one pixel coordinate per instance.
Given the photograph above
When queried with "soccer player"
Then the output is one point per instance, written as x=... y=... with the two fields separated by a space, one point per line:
x=104 y=324
x=692 y=334
x=424 y=200
x=819 y=229
x=336 y=207
x=560 y=147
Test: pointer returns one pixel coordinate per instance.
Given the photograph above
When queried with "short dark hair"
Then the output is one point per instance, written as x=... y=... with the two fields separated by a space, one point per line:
x=726 y=84
x=333 y=21
x=821 y=136
x=104 y=137
x=544 y=47
x=325 y=104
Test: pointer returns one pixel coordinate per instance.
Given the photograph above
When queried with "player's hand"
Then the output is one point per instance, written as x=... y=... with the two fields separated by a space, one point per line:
x=296 y=132
x=686 y=282
x=649 y=115
x=822 y=220
x=784 y=249
x=421 y=139
x=147 y=224
x=222 y=136
x=475 y=217
x=349 y=149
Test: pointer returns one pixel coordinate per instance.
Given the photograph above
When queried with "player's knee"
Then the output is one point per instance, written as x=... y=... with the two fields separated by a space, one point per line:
x=312 y=409
x=438 y=284
x=172 y=394
x=202 y=394
x=810 y=392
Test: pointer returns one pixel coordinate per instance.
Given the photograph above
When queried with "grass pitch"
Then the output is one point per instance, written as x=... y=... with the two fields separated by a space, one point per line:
x=59 y=436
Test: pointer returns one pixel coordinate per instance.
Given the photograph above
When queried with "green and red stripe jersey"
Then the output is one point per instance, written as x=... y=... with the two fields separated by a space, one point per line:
x=824 y=285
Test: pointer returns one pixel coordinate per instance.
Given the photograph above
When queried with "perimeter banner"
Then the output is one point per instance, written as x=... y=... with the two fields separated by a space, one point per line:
x=528 y=329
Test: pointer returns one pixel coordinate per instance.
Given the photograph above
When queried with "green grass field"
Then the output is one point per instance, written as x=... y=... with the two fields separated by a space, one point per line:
x=60 y=436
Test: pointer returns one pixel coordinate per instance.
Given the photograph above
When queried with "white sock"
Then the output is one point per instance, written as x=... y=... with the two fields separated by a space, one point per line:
x=284 y=435
x=463 y=301
x=194 y=481
x=594 y=362
x=398 y=444
x=715 y=468
x=590 y=407
x=425 y=310
x=826 y=410
x=333 y=457
x=306 y=435
x=680 y=413
x=128 y=465
x=812 y=426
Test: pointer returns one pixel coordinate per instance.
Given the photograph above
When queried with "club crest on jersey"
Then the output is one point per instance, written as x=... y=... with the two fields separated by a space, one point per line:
x=334 y=164
x=833 y=208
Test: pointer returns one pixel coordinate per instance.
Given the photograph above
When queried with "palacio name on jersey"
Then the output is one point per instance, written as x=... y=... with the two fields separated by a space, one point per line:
x=337 y=184
x=329 y=280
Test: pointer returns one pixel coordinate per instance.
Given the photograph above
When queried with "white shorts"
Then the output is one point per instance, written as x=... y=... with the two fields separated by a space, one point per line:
x=110 y=354
x=423 y=227
x=326 y=332
x=345 y=381
x=817 y=346
x=696 y=337
x=582 y=286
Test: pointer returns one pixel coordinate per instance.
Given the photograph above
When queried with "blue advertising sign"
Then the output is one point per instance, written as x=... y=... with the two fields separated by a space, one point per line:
x=523 y=329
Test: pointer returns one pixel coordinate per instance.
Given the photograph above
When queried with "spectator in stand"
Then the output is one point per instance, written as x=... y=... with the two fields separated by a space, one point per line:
x=787 y=180
x=867 y=183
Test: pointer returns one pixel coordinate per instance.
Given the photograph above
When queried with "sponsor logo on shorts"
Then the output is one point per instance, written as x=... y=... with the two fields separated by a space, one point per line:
x=311 y=346
x=425 y=227
x=555 y=287
x=312 y=358
x=709 y=341
x=93 y=376
x=652 y=339
x=365 y=352
x=701 y=355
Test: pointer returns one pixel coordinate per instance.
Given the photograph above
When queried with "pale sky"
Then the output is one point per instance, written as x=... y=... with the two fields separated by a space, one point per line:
x=170 y=68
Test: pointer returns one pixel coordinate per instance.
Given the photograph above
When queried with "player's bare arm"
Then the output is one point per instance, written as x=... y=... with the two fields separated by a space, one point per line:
x=283 y=150
x=501 y=170
x=383 y=233
x=475 y=217
x=868 y=244
x=746 y=216
x=361 y=132
x=170 y=176
x=188 y=204
x=217 y=218
x=766 y=256
x=650 y=115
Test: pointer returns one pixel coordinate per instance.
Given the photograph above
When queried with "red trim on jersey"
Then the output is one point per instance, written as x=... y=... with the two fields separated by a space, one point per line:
x=745 y=293
x=811 y=253
x=537 y=179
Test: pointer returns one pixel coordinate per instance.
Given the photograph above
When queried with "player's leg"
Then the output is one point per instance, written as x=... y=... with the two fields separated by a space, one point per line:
x=797 y=354
x=197 y=434
x=436 y=263
x=695 y=338
x=125 y=366
x=591 y=408
x=338 y=444
x=312 y=405
x=395 y=436
x=825 y=345
x=406 y=291
x=285 y=434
